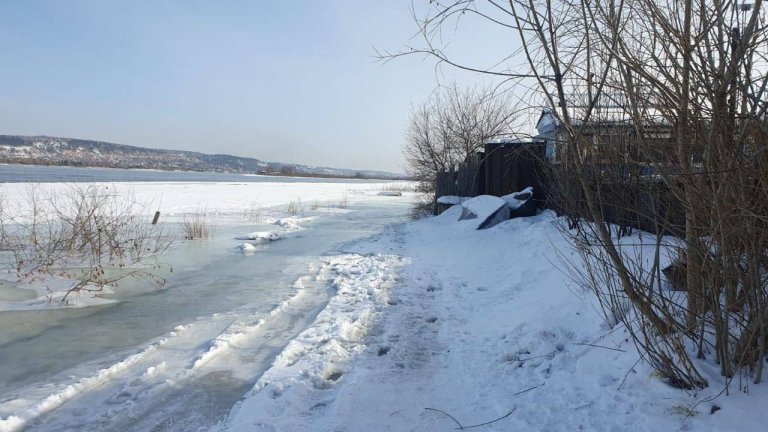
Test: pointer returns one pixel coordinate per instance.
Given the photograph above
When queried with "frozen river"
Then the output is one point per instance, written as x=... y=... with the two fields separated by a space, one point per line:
x=179 y=357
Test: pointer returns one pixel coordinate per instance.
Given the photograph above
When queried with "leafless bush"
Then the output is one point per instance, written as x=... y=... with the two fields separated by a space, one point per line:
x=422 y=207
x=89 y=234
x=450 y=126
x=657 y=105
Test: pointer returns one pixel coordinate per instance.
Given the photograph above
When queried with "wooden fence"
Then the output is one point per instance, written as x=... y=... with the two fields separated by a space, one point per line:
x=501 y=169
x=465 y=179
x=644 y=203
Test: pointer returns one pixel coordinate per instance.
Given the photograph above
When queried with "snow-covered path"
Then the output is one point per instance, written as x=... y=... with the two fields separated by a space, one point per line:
x=481 y=328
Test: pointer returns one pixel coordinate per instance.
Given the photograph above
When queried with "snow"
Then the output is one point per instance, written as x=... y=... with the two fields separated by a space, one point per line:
x=223 y=200
x=516 y=199
x=485 y=211
x=35 y=409
x=429 y=325
x=474 y=327
x=452 y=199
x=320 y=356
x=482 y=206
x=260 y=236
x=247 y=247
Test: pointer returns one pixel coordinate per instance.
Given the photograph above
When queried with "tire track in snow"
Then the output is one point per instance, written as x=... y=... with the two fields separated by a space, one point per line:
x=319 y=357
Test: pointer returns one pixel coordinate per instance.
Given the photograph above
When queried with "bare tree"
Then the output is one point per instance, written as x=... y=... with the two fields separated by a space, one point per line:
x=684 y=85
x=451 y=125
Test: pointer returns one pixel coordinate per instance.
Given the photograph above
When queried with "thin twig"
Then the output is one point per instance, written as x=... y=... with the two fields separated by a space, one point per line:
x=627 y=374
x=492 y=421
x=585 y=405
x=536 y=357
x=446 y=414
x=528 y=389
x=599 y=346
x=692 y=409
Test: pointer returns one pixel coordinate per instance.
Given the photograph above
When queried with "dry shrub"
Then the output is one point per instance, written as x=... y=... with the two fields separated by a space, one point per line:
x=89 y=233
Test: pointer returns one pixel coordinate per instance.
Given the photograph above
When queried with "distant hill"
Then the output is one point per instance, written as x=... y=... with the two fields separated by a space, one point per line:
x=44 y=150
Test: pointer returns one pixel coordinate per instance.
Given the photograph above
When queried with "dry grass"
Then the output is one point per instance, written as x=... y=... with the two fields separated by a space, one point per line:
x=197 y=226
x=295 y=207
x=253 y=212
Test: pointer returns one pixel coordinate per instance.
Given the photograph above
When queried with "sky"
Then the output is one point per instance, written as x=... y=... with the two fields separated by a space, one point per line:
x=285 y=81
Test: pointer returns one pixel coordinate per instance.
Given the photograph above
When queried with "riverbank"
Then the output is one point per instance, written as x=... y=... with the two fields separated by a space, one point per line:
x=482 y=329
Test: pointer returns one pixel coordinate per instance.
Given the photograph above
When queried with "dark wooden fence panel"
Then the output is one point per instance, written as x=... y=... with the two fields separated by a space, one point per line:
x=645 y=204
x=513 y=167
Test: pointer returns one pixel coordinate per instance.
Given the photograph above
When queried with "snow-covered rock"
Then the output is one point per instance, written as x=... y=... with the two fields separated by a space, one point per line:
x=516 y=199
x=521 y=204
x=487 y=210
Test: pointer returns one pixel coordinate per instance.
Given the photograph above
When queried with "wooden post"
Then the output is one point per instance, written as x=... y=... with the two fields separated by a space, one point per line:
x=155 y=219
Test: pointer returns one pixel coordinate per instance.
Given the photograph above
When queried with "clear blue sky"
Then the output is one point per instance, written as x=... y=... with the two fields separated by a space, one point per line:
x=289 y=81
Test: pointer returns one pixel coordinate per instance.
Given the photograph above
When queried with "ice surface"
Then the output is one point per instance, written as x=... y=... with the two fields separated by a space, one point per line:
x=183 y=354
